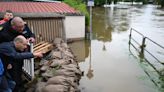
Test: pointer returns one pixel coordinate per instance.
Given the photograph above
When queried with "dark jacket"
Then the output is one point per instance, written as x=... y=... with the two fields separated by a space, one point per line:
x=7 y=34
x=9 y=54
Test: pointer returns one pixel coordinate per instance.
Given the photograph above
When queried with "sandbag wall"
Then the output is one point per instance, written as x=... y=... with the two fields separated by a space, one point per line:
x=58 y=71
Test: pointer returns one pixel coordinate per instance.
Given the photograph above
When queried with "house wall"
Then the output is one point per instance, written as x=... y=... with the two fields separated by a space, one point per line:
x=75 y=27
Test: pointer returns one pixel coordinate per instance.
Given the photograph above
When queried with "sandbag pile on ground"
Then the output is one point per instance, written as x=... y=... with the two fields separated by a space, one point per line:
x=58 y=71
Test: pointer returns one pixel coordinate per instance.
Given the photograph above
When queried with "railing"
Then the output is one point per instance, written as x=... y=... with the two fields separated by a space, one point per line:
x=28 y=66
x=141 y=47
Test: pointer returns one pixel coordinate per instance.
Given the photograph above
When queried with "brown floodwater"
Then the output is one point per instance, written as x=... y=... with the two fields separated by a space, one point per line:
x=107 y=61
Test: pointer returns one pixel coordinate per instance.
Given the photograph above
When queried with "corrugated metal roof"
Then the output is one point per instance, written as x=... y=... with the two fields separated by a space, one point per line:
x=37 y=7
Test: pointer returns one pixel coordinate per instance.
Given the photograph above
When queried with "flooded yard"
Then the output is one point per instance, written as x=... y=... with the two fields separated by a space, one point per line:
x=107 y=61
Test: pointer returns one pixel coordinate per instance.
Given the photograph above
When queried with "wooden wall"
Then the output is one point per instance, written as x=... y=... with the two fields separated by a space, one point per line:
x=46 y=29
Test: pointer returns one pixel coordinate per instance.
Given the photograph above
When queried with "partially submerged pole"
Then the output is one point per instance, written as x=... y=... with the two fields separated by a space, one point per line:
x=90 y=4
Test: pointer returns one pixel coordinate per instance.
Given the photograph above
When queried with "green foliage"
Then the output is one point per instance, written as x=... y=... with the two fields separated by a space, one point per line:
x=73 y=3
x=100 y=2
x=160 y=2
x=83 y=9
x=143 y=1
x=81 y=6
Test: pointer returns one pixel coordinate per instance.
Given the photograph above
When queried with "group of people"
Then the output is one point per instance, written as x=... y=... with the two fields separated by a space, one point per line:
x=14 y=38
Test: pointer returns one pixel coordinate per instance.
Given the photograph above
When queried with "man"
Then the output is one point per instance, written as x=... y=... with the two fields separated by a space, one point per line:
x=13 y=28
x=8 y=32
x=7 y=16
x=12 y=53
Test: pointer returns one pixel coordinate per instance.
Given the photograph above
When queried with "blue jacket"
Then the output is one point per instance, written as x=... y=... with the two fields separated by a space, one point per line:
x=7 y=34
x=10 y=55
x=1 y=68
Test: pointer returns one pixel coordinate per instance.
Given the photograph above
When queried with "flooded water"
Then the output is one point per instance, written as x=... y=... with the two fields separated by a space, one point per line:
x=107 y=62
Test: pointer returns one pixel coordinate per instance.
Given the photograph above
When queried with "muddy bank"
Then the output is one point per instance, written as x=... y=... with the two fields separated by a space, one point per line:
x=58 y=71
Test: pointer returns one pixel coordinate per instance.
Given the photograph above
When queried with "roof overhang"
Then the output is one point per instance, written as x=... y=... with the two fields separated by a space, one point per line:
x=36 y=15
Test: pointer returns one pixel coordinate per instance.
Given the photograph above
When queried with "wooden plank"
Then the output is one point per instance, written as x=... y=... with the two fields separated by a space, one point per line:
x=40 y=46
x=45 y=49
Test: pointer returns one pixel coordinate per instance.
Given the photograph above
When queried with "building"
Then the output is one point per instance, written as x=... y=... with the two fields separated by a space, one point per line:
x=48 y=19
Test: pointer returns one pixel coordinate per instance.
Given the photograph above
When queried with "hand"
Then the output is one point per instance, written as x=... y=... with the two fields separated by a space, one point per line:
x=9 y=66
x=31 y=39
x=38 y=54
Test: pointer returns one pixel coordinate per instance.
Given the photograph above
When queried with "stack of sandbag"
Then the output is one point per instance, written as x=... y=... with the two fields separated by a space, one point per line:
x=58 y=71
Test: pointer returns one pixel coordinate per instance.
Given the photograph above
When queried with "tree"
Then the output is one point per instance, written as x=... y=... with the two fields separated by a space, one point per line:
x=160 y=2
x=81 y=6
x=99 y=2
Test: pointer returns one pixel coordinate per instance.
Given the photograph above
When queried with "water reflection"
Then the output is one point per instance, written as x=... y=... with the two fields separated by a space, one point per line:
x=81 y=49
x=90 y=70
x=102 y=28
x=110 y=19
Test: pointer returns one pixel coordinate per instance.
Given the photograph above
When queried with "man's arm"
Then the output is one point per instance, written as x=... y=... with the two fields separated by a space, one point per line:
x=23 y=55
x=28 y=33
x=26 y=55
x=11 y=52
x=1 y=33
x=8 y=49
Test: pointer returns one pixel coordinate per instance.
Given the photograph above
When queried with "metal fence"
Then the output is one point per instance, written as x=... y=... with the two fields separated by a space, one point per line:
x=142 y=48
x=148 y=51
x=28 y=66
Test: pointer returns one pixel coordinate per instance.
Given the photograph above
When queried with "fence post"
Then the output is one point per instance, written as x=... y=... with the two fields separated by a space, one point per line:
x=142 y=48
x=32 y=61
x=130 y=36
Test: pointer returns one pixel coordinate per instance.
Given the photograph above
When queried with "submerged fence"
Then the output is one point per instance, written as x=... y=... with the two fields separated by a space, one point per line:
x=149 y=51
x=142 y=48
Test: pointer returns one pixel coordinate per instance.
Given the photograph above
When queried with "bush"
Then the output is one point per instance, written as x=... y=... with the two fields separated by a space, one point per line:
x=80 y=6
